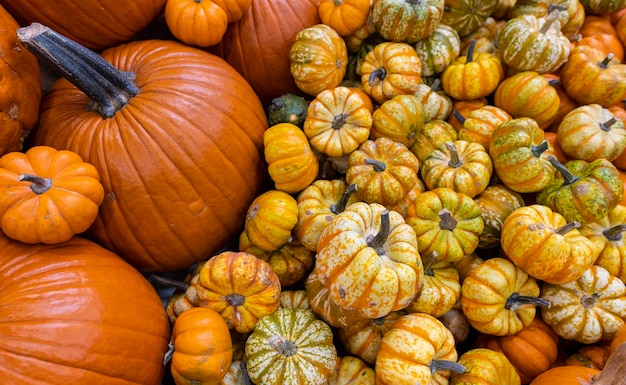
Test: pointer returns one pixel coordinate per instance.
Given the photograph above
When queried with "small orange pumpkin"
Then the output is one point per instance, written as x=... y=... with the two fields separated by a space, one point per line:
x=200 y=23
x=47 y=195
x=344 y=16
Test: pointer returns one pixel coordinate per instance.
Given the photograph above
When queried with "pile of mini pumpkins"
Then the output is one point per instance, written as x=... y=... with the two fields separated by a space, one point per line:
x=329 y=192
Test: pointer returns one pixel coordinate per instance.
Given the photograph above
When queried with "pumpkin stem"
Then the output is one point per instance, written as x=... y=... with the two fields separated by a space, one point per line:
x=606 y=126
x=377 y=164
x=539 y=149
x=566 y=227
x=554 y=82
x=378 y=241
x=568 y=177
x=589 y=300
x=470 y=51
x=458 y=116
x=515 y=301
x=377 y=74
x=549 y=20
x=235 y=299
x=170 y=352
x=614 y=234
x=446 y=220
x=108 y=87
x=39 y=185
x=436 y=85
x=339 y=121
x=168 y=282
x=338 y=207
x=429 y=262
x=244 y=372
x=437 y=365
x=283 y=345
x=455 y=161
x=604 y=64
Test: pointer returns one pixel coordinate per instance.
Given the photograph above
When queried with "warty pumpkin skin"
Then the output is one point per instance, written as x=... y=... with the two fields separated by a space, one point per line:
x=95 y=24
x=258 y=45
x=75 y=313
x=180 y=162
x=20 y=92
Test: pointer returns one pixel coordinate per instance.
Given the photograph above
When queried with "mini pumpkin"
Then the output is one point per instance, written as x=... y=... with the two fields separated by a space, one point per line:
x=352 y=371
x=496 y=202
x=437 y=104
x=479 y=124
x=344 y=16
x=607 y=233
x=432 y=136
x=47 y=195
x=270 y=219
x=406 y=20
x=200 y=23
x=437 y=50
x=487 y=367
x=398 y=119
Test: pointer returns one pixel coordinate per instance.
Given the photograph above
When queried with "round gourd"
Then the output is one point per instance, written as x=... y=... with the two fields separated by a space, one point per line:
x=199 y=23
x=21 y=87
x=77 y=312
x=406 y=20
x=485 y=367
x=177 y=145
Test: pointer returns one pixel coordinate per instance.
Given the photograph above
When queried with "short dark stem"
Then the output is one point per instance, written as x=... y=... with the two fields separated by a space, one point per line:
x=39 y=185
x=437 y=365
x=589 y=300
x=568 y=177
x=108 y=87
x=429 y=261
x=470 y=51
x=244 y=373
x=458 y=116
x=377 y=74
x=606 y=126
x=604 y=64
x=235 y=299
x=343 y=201
x=339 y=121
x=377 y=241
x=554 y=82
x=376 y=164
x=515 y=301
x=168 y=282
x=614 y=234
x=567 y=227
x=540 y=148
x=455 y=161
x=446 y=220
x=283 y=346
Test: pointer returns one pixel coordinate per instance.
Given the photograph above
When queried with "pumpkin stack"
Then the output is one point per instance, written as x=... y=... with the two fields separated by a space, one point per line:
x=396 y=192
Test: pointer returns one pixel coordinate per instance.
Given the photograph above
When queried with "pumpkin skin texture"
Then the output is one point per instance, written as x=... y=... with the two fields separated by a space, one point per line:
x=290 y=347
x=79 y=340
x=499 y=298
x=203 y=349
x=406 y=20
x=607 y=233
x=94 y=24
x=589 y=309
x=199 y=23
x=47 y=196
x=545 y=245
x=169 y=199
x=245 y=44
x=496 y=202
x=352 y=371
x=21 y=87
x=369 y=260
x=485 y=367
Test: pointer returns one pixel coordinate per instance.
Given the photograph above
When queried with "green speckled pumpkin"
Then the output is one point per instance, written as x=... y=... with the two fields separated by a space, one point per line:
x=287 y=108
x=406 y=20
x=583 y=191
x=438 y=50
x=496 y=202
x=290 y=347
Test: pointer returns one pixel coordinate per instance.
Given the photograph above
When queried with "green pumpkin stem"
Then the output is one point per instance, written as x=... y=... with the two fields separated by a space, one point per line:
x=377 y=74
x=39 y=185
x=376 y=164
x=568 y=177
x=108 y=87
x=458 y=116
x=604 y=64
x=429 y=261
x=168 y=282
x=446 y=220
x=515 y=301
x=540 y=148
x=606 y=126
x=469 y=57
x=437 y=365
x=553 y=16
x=338 y=207
x=377 y=241
x=453 y=151
x=614 y=234
x=566 y=228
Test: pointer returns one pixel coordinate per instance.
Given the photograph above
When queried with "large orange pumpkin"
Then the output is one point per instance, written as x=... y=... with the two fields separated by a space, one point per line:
x=75 y=313
x=20 y=89
x=95 y=24
x=177 y=146
x=258 y=45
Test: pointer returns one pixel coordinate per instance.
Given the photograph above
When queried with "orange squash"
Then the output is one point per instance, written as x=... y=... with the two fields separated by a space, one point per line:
x=200 y=23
